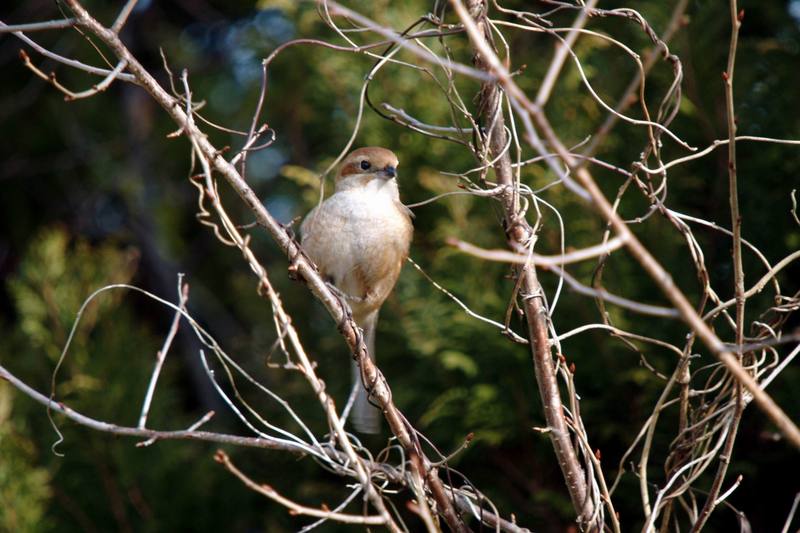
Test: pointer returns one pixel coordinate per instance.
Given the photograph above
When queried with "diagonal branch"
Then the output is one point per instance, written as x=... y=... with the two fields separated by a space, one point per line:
x=300 y=264
x=519 y=234
x=635 y=247
x=188 y=434
x=738 y=271
x=294 y=507
x=161 y=356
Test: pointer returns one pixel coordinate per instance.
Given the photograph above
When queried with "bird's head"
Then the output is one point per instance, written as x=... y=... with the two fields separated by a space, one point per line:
x=366 y=164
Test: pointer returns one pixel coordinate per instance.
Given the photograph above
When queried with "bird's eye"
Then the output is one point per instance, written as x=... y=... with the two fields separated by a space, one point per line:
x=365 y=165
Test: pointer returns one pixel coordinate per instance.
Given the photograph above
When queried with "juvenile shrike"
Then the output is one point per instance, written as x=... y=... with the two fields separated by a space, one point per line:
x=359 y=239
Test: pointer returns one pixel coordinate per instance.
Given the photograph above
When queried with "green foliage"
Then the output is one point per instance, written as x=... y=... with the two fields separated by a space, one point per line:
x=24 y=487
x=94 y=194
x=55 y=278
x=104 y=374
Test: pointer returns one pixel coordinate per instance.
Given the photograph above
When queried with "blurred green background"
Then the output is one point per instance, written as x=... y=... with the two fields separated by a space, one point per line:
x=92 y=192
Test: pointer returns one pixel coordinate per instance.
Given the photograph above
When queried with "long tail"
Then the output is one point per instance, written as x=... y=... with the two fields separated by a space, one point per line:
x=366 y=417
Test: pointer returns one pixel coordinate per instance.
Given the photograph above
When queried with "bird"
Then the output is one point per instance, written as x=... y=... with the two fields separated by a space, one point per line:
x=359 y=239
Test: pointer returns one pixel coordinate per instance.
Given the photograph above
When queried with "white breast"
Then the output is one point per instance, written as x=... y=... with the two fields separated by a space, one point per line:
x=353 y=226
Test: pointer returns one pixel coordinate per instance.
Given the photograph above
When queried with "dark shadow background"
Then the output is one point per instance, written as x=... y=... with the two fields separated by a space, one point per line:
x=93 y=192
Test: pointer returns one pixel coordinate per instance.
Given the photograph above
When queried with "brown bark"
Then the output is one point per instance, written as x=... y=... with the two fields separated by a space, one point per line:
x=518 y=234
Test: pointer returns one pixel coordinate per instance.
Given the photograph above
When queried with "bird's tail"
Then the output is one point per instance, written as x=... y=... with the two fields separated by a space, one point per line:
x=365 y=416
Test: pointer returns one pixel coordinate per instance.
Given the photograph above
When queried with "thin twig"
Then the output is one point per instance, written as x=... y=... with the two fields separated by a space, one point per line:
x=294 y=508
x=59 y=407
x=635 y=247
x=519 y=234
x=546 y=261
x=738 y=271
x=38 y=26
x=124 y=13
x=161 y=356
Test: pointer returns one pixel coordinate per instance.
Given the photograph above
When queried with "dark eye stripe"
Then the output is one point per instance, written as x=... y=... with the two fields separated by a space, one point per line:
x=350 y=168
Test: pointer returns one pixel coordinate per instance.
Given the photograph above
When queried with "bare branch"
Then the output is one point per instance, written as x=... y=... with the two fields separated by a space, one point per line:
x=67 y=61
x=37 y=26
x=124 y=13
x=294 y=508
x=161 y=356
x=636 y=248
x=519 y=235
x=300 y=265
x=221 y=438
x=546 y=261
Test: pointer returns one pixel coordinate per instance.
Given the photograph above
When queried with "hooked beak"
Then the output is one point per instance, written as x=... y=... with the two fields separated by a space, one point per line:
x=389 y=172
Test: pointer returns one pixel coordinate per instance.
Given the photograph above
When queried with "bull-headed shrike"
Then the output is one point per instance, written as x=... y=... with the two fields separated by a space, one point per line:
x=359 y=239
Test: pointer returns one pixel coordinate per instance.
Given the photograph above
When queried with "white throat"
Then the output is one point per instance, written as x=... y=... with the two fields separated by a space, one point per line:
x=369 y=184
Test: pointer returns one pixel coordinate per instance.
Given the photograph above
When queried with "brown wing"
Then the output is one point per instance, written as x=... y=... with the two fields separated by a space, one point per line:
x=376 y=278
